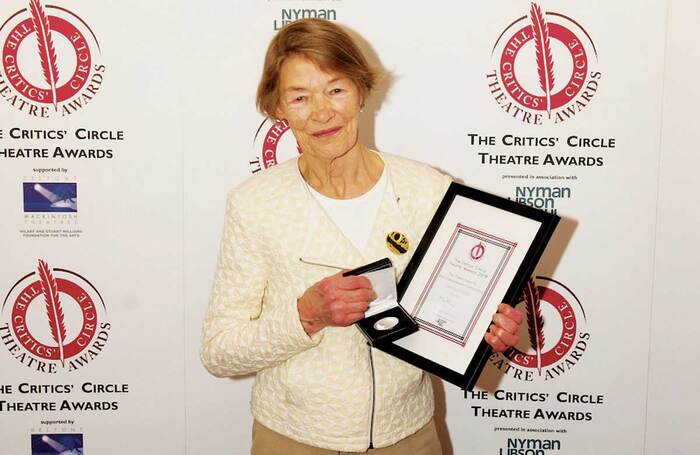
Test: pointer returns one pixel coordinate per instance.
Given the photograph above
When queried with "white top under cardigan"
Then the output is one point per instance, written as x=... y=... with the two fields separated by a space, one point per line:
x=355 y=217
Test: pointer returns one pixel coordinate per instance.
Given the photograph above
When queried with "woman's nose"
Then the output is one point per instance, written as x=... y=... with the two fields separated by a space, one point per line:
x=321 y=110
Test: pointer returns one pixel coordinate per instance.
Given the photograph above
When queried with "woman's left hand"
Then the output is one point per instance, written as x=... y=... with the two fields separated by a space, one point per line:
x=502 y=333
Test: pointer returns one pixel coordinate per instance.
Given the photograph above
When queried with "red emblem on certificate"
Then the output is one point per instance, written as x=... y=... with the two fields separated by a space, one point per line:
x=477 y=251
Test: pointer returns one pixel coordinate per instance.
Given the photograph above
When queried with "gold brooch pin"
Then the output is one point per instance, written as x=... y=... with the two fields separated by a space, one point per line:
x=397 y=242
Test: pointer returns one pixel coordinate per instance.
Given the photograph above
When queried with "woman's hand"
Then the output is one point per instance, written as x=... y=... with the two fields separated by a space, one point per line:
x=502 y=333
x=335 y=301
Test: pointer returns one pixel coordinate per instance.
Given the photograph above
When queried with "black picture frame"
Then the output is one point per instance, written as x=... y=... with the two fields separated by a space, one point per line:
x=548 y=223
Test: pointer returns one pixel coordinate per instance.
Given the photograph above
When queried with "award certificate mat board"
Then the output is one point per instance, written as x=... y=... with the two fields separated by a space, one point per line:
x=478 y=251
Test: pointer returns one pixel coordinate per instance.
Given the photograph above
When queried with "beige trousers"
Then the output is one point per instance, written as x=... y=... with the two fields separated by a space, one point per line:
x=268 y=442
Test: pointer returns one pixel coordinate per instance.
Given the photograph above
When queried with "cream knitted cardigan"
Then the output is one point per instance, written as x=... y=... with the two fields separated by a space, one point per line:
x=329 y=390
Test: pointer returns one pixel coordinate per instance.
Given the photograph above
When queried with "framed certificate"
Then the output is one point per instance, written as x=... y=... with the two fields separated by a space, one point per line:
x=478 y=251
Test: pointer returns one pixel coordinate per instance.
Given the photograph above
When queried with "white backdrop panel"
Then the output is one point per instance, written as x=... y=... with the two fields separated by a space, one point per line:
x=672 y=423
x=179 y=82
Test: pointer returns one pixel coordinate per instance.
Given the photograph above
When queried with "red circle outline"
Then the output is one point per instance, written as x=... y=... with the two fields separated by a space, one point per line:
x=272 y=141
x=480 y=250
x=565 y=312
x=74 y=347
x=72 y=86
x=564 y=96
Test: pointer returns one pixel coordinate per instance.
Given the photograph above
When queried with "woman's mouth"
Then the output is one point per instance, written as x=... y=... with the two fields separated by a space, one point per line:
x=326 y=133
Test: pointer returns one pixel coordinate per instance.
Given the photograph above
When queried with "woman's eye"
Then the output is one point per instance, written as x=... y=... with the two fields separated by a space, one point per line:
x=335 y=91
x=299 y=99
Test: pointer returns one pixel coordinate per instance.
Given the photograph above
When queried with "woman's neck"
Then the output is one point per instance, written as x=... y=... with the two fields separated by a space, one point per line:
x=345 y=177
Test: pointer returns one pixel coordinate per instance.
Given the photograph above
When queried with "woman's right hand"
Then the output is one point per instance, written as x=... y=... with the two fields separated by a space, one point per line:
x=335 y=301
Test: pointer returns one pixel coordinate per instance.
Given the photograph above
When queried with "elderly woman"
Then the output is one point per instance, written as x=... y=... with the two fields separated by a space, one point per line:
x=280 y=307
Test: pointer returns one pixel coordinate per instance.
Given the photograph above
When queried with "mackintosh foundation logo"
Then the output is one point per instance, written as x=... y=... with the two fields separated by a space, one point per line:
x=54 y=320
x=57 y=443
x=556 y=335
x=50 y=61
x=545 y=68
x=50 y=197
x=274 y=142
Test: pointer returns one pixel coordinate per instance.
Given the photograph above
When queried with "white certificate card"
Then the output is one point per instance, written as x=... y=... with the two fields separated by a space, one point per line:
x=462 y=283
x=478 y=251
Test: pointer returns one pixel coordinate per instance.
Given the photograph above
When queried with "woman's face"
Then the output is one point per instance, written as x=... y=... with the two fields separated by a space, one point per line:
x=321 y=108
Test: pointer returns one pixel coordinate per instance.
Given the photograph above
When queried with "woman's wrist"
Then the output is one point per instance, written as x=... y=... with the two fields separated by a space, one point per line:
x=310 y=327
x=309 y=322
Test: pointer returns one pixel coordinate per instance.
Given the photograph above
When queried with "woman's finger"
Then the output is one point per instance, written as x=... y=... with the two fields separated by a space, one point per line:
x=496 y=344
x=505 y=323
x=504 y=336
x=349 y=283
x=511 y=313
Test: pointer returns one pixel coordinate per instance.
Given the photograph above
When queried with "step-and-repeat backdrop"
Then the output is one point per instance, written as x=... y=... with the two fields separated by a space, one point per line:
x=124 y=124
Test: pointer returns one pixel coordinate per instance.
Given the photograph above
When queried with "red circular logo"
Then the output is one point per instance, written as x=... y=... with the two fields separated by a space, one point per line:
x=477 y=251
x=48 y=60
x=555 y=95
x=548 y=352
x=543 y=68
x=63 y=346
x=56 y=88
x=553 y=339
x=56 y=319
x=276 y=145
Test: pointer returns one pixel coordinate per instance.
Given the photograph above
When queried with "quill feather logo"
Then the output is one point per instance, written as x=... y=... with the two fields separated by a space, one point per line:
x=54 y=319
x=554 y=314
x=543 y=50
x=535 y=322
x=47 y=51
x=68 y=55
x=53 y=308
x=529 y=90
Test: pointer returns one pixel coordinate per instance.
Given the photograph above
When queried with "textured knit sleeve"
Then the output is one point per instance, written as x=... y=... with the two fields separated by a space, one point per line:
x=241 y=334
